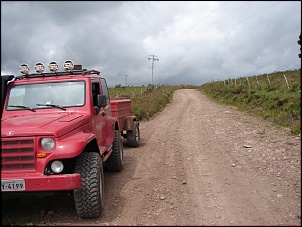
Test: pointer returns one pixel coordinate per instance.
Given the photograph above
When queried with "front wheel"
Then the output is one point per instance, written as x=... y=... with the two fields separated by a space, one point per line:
x=133 y=136
x=89 y=199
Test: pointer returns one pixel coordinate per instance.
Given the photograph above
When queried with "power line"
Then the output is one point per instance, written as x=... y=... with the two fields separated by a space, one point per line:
x=171 y=43
x=233 y=25
x=204 y=18
x=236 y=24
x=224 y=16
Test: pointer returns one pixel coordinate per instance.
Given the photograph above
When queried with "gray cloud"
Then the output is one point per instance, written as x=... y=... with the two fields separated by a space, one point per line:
x=195 y=41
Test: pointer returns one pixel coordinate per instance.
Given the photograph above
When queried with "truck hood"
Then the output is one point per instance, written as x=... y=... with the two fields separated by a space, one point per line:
x=56 y=124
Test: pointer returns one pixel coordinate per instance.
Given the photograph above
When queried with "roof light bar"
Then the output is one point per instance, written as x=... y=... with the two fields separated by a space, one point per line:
x=68 y=66
x=53 y=66
x=24 y=69
x=39 y=67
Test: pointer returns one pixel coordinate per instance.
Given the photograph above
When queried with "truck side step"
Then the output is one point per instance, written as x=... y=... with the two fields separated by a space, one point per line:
x=107 y=153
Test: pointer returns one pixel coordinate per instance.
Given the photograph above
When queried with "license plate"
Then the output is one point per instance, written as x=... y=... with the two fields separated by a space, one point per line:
x=12 y=185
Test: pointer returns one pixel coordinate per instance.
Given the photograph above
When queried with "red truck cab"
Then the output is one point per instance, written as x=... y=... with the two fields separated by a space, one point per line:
x=59 y=130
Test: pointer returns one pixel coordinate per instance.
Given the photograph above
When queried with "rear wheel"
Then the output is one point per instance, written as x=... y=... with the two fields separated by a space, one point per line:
x=133 y=136
x=114 y=163
x=89 y=199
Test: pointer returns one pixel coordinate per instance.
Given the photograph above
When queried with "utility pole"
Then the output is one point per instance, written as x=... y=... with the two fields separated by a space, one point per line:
x=153 y=58
x=126 y=79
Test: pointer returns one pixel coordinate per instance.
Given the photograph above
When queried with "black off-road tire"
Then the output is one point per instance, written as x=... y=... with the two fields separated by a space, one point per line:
x=89 y=199
x=114 y=163
x=133 y=136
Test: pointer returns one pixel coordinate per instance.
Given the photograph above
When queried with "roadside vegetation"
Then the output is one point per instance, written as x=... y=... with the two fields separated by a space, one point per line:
x=276 y=97
x=147 y=101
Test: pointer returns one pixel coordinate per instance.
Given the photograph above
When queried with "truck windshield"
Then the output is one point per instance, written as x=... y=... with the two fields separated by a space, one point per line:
x=46 y=95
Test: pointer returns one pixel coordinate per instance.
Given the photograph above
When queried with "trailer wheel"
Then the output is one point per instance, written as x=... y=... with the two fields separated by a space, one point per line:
x=89 y=199
x=114 y=163
x=133 y=136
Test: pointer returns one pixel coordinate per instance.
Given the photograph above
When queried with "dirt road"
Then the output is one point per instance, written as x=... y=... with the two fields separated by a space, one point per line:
x=199 y=163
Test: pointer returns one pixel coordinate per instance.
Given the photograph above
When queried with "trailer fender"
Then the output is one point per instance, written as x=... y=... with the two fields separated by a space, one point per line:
x=128 y=122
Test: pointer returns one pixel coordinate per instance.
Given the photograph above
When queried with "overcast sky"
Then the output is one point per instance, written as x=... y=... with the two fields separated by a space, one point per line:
x=194 y=41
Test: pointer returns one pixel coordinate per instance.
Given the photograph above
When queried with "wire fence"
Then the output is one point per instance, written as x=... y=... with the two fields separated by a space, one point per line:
x=289 y=80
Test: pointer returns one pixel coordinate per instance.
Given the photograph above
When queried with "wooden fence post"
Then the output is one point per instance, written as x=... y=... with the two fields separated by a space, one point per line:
x=286 y=81
x=133 y=94
x=269 y=82
x=248 y=82
x=257 y=82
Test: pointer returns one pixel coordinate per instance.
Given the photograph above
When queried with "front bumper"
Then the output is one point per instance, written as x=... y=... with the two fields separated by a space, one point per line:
x=39 y=182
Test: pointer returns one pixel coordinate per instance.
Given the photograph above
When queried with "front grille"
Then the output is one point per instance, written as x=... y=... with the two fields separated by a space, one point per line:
x=18 y=154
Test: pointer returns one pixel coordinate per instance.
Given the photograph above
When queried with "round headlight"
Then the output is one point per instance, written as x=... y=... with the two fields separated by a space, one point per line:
x=48 y=143
x=57 y=166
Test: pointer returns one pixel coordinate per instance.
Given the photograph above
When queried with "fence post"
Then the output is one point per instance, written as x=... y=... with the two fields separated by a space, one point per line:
x=269 y=82
x=133 y=94
x=257 y=82
x=248 y=82
x=286 y=81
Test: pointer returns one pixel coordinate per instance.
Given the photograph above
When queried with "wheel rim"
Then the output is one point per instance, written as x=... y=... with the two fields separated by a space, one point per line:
x=121 y=151
x=137 y=135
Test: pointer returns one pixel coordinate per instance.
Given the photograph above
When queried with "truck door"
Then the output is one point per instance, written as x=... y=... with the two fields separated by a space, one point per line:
x=106 y=93
x=99 y=118
x=107 y=109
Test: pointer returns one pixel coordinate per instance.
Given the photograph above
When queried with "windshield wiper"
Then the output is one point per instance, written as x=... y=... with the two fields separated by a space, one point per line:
x=51 y=105
x=23 y=107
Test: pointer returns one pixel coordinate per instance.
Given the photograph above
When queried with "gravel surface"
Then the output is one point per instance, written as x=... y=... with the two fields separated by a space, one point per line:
x=199 y=163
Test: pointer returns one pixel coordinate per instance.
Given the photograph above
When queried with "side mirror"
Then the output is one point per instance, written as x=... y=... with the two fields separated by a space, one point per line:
x=101 y=100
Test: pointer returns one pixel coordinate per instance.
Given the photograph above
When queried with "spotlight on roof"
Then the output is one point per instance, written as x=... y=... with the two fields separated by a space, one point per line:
x=39 y=67
x=24 y=69
x=68 y=66
x=53 y=66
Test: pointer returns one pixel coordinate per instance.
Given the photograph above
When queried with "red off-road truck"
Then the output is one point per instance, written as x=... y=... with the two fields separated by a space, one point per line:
x=60 y=131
